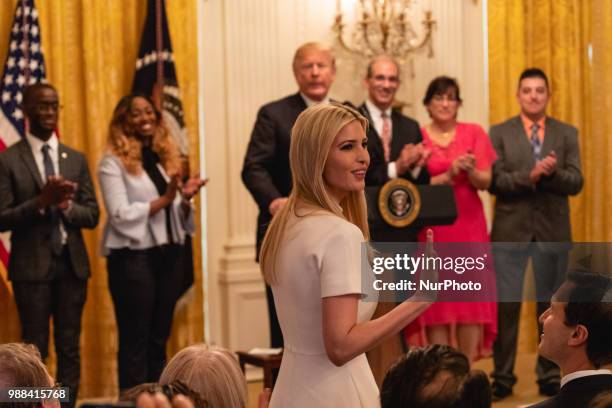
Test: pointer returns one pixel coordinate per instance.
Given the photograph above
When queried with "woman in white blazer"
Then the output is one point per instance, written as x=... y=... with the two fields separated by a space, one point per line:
x=149 y=215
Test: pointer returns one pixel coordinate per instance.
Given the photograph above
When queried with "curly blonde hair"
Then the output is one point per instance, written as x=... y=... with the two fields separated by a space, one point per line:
x=123 y=143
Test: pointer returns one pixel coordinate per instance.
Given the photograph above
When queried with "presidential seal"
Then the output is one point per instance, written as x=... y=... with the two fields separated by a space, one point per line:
x=399 y=202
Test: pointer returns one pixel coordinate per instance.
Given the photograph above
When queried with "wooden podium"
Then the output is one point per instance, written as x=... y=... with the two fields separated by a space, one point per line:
x=436 y=207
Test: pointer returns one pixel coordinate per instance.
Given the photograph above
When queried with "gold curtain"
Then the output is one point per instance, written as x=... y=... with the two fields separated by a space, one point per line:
x=90 y=49
x=570 y=40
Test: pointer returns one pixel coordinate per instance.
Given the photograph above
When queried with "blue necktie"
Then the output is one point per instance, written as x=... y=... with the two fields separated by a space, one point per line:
x=535 y=142
x=56 y=235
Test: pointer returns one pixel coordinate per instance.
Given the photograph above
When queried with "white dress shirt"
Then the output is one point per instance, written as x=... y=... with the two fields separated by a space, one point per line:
x=377 y=122
x=309 y=102
x=584 y=373
x=36 y=145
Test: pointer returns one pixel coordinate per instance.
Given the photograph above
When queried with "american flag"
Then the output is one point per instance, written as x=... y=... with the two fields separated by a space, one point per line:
x=24 y=65
x=155 y=73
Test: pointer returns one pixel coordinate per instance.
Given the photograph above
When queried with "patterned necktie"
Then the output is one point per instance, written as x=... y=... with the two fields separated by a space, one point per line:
x=56 y=235
x=386 y=136
x=535 y=141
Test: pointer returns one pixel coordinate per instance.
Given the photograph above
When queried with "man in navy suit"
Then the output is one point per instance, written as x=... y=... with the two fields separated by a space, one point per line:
x=577 y=336
x=266 y=173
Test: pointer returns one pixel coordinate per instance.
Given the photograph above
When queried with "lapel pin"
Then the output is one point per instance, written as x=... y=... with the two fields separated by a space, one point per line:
x=64 y=155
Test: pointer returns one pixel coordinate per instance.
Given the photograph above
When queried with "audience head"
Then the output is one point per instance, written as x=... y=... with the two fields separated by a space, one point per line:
x=314 y=68
x=41 y=106
x=603 y=400
x=576 y=327
x=137 y=122
x=533 y=93
x=213 y=372
x=328 y=157
x=22 y=366
x=382 y=81
x=435 y=376
x=442 y=99
x=175 y=394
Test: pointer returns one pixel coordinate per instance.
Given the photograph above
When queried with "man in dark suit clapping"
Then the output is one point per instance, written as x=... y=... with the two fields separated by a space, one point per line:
x=46 y=198
x=266 y=172
x=538 y=167
x=394 y=140
x=577 y=335
x=394 y=144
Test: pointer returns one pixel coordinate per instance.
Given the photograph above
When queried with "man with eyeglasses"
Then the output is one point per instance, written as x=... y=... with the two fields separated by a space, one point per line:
x=266 y=173
x=394 y=144
x=394 y=140
x=46 y=198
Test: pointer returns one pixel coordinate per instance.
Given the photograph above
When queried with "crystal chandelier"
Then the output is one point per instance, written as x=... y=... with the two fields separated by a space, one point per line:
x=383 y=27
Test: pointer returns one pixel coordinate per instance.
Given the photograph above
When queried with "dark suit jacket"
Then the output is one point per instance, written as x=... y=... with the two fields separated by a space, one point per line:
x=578 y=392
x=266 y=172
x=524 y=212
x=20 y=184
x=405 y=131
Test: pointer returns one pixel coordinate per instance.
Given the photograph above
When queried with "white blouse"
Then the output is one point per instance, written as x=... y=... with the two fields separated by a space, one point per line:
x=127 y=199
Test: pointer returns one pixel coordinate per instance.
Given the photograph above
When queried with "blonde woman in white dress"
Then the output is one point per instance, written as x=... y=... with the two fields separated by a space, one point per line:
x=311 y=256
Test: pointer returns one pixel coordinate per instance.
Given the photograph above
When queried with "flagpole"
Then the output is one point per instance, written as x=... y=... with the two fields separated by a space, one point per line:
x=26 y=54
x=26 y=42
x=159 y=44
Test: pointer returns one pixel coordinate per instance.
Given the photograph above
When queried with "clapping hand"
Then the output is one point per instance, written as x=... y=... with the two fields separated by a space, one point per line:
x=192 y=186
x=410 y=157
x=425 y=153
x=544 y=167
x=549 y=163
x=57 y=192
x=467 y=162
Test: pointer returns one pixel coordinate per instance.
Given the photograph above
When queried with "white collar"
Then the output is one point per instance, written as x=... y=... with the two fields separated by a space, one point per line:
x=309 y=102
x=375 y=111
x=583 y=373
x=36 y=144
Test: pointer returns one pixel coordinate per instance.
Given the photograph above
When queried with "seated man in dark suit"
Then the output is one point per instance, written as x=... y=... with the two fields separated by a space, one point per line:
x=46 y=198
x=394 y=140
x=577 y=336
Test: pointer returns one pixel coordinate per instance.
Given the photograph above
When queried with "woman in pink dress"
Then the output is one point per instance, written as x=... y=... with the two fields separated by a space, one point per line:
x=461 y=155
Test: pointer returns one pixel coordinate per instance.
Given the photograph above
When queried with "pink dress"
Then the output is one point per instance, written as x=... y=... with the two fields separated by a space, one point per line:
x=470 y=226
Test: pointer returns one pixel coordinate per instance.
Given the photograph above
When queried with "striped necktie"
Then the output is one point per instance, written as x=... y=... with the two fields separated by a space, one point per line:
x=535 y=141
x=386 y=136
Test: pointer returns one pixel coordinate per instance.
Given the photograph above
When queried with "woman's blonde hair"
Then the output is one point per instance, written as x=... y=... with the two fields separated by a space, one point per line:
x=123 y=143
x=311 y=139
x=211 y=371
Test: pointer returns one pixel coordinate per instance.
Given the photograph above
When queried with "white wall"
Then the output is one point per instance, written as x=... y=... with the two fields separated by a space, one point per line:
x=246 y=50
